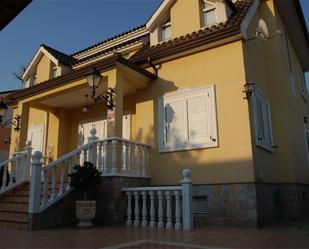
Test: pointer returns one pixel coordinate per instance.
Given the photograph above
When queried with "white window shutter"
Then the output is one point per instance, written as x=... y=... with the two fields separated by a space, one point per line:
x=199 y=119
x=175 y=122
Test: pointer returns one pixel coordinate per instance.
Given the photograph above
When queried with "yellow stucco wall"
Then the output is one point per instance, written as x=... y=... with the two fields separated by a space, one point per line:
x=44 y=68
x=267 y=65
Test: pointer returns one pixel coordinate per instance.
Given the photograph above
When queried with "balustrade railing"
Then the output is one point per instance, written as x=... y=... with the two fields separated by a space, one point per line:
x=161 y=207
x=16 y=169
x=111 y=156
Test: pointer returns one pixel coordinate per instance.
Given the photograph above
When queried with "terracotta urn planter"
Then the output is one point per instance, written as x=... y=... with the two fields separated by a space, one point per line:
x=85 y=212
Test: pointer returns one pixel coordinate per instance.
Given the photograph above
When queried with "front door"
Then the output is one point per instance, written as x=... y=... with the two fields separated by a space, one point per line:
x=101 y=127
x=36 y=136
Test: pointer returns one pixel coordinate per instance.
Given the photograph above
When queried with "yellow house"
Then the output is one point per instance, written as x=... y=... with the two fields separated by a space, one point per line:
x=215 y=86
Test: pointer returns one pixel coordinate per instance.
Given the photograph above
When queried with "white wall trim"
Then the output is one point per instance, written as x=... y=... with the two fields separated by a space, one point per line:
x=248 y=18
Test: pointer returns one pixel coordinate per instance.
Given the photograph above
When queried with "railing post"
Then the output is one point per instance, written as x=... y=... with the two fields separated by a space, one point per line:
x=92 y=156
x=35 y=183
x=187 y=200
x=26 y=166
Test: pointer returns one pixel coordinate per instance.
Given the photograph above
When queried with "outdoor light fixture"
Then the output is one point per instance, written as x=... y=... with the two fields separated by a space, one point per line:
x=86 y=107
x=14 y=121
x=94 y=80
x=3 y=108
x=249 y=89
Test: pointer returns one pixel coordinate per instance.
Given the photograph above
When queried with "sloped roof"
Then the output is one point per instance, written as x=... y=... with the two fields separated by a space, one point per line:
x=60 y=56
x=109 y=39
x=210 y=34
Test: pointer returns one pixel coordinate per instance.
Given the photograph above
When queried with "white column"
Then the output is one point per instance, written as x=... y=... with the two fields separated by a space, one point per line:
x=169 y=224
x=114 y=156
x=106 y=156
x=70 y=171
x=62 y=177
x=144 y=148
x=78 y=157
x=187 y=200
x=138 y=160
x=45 y=188
x=14 y=168
x=85 y=154
x=129 y=210
x=127 y=158
x=152 y=223
x=99 y=159
x=133 y=170
x=92 y=154
x=160 y=210
x=35 y=183
x=136 y=209
x=144 y=210
x=122 y=157
x=177 y=210
x=54 y=183
x=27 y=161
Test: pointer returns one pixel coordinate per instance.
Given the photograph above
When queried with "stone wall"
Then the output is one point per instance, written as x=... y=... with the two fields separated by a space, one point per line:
x=253 y=204
x=228 y=204
x=111 y=202
x=289 y=202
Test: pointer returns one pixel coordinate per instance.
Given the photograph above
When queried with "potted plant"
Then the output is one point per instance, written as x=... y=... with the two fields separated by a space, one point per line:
x=86 y=179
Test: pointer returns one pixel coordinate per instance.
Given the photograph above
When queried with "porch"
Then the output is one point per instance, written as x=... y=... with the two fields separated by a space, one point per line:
x=212 y=236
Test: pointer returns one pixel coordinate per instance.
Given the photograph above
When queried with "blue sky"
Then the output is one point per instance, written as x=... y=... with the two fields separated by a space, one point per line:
x=69 y=26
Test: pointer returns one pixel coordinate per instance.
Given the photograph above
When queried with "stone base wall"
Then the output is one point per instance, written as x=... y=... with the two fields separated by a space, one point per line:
x=289 y=202
x=252 y=204
x=228 y=204
x=111 y=202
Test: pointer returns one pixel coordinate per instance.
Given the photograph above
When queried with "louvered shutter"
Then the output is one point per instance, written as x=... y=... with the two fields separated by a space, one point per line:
x=263 y=127
x=175 y=122
x=199 y=119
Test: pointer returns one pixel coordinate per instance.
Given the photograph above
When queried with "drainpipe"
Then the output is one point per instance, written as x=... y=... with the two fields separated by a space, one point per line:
x=153 y=66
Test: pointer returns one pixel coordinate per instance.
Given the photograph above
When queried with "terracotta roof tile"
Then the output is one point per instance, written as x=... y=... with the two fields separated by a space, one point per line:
x=210 y=34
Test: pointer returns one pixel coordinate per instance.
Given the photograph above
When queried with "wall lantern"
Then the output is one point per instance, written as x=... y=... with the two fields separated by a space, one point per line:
x=3 y=108
x=94 y=79
x=14 y=121
x=86 y=107
x=249 y=88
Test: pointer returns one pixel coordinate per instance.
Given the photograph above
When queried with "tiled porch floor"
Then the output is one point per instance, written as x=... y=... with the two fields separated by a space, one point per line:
x=276 y=236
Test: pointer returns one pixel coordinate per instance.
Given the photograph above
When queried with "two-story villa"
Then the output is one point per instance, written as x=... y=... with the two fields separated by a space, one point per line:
x=216 y=86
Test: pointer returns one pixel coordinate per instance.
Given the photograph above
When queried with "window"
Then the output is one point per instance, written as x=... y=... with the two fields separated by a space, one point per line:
x=54 y=72
x=208 y=13
x=262 y=120
x=187 y=120
x=292 y=81
x=166 y=33
x=34 y=79
x=307 y=141
x=303 y=86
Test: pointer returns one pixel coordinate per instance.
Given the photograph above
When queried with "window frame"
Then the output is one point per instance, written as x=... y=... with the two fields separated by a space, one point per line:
x=54 y=69
x=187 y=93
x=303 y=87
x=208 y=9
x=162 y=28
x=34 y=79
x=268 y=145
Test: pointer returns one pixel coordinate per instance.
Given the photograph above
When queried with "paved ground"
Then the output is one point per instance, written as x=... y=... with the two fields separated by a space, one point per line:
x=210 y=237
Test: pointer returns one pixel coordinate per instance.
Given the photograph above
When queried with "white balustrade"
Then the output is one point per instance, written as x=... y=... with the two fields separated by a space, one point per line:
x=104 y=154
x=167 y=200
x=16 y=169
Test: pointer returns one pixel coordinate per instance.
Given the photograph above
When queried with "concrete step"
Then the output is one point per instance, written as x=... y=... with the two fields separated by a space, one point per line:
x=14 y=206
x=15 y=215
x=12 y=223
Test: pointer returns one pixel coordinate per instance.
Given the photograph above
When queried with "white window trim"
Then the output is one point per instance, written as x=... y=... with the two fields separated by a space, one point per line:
x=303 y=87
x=306 y=142
x=258 y=142
x=54 y=69
x=204 y=10
x=166 y=24
x=161 y=119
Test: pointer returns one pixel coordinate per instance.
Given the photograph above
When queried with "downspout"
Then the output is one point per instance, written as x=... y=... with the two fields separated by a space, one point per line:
x=153 y=66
